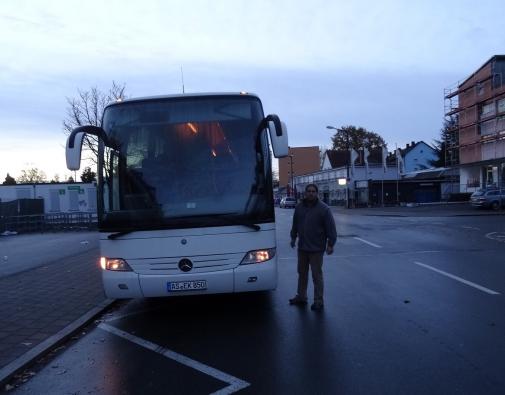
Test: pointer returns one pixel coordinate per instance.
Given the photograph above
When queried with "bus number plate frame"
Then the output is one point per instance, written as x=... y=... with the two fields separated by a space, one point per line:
x=181 y=286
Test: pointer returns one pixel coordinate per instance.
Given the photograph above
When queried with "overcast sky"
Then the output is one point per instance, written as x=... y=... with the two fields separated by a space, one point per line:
x=382 y=65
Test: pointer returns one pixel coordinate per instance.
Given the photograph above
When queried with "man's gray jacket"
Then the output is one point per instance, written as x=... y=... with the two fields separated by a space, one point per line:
x=314 y=226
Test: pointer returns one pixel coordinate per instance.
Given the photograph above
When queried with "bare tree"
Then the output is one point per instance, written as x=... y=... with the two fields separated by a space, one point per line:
x=87 y=109
x=31 y=176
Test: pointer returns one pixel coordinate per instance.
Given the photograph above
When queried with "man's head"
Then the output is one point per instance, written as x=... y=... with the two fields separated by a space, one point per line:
x=311 y=192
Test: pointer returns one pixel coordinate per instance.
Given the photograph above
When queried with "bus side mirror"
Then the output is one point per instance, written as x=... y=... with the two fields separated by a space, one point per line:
x=74 y=144
x=278 y=135
x=73 y=151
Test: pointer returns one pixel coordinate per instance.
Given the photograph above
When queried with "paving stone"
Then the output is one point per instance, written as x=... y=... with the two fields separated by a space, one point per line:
x=39 y=302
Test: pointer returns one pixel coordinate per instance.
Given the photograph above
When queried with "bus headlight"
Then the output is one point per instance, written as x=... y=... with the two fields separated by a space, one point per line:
x=258 y=256
x=115 y=264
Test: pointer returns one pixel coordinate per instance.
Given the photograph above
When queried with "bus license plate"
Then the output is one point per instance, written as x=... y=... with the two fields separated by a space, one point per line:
x=186 y=286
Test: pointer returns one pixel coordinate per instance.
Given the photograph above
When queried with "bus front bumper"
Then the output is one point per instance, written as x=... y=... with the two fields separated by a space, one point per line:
x=245 y=278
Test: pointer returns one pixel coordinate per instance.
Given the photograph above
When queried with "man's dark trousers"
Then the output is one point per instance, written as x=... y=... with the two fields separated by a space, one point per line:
x=315 y=261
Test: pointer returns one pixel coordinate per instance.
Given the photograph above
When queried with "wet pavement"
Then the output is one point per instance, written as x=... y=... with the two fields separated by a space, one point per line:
x=392 y=323
x=450 y=209
x=52 y=281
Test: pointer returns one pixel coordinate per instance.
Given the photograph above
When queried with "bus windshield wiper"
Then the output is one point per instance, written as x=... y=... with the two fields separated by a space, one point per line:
x=113 y=236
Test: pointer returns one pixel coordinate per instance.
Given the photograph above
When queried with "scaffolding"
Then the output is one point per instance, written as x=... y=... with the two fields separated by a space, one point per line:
x=464 y=104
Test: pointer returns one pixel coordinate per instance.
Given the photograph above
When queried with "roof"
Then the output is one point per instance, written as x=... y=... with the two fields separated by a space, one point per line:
x=185 y=95
x=337 y=158
x=410 y=147
x=340 y=158
x=430 y=174
x=492 y=58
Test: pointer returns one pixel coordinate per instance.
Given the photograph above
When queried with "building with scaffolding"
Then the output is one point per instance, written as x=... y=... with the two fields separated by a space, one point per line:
x=475 y=126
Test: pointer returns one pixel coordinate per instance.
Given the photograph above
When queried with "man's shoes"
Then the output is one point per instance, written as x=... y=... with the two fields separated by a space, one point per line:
x=317 y=306
x=298 y=301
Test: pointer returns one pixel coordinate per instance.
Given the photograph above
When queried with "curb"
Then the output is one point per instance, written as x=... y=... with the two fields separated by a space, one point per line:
x=20 y=363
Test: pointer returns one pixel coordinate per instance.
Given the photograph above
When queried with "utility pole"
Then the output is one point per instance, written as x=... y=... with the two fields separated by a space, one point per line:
x=292 y=178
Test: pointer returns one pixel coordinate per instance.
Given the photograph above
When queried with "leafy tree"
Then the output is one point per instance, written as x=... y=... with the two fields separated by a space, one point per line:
x=88 y=175
x=87 y=109
x=70 y=179
x=56 y=179
x=31 y=176
x=9 y=180
x=355 y=137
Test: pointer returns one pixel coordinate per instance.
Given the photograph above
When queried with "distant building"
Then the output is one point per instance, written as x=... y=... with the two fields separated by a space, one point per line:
x=57 y=197
x=372 y=182
x=418 y=156
x=300 y=160
x=475 y=115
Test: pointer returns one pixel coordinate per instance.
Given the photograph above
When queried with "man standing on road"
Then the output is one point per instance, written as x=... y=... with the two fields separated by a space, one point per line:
x=314 y=226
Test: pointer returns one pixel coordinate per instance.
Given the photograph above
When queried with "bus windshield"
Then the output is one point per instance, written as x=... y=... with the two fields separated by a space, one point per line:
x=185 y=162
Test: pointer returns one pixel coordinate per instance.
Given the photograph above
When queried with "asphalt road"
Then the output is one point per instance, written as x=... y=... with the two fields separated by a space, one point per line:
x=412 y=306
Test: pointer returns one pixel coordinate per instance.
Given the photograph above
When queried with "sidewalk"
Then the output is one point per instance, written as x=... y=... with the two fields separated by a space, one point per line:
x=425 y=210
x=43 y=306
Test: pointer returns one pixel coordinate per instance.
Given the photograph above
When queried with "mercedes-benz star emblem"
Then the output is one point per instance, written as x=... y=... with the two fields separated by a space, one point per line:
x=185 y=265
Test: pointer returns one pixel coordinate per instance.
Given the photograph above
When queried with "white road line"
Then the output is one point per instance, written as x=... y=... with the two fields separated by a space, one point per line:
x=470 y=227
x=235 y=384
x=498 y=236
x=116 y=316
x=368 y=242
x=462 y=280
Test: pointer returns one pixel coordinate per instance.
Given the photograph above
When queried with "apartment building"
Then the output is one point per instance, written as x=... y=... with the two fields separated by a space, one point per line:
x=475 y=117
x=300 y=160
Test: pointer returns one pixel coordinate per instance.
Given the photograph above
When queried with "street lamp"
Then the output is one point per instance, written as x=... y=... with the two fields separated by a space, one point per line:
x=347 y=161
x=292 y=179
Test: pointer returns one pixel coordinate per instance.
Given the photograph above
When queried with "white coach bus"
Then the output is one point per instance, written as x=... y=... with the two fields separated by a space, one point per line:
x=185 y=202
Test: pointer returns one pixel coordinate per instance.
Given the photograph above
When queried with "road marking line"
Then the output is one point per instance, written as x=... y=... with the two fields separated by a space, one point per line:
x=368 y=242
x=115 y=316
x=470 y=227
x=462 y=280
x=498 y=236
x=235 y=383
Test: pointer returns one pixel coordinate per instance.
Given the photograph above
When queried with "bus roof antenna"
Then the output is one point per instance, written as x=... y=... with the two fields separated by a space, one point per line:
x=182 y=79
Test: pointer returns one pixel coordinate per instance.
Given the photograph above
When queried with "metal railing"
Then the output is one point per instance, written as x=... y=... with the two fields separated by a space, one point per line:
x=48 y=222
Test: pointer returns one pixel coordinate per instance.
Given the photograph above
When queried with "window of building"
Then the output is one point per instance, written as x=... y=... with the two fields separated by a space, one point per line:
x=73 y=200
x=91 y=200
x=54 y=200
x=501 y=105
x=487 y=128
x=479 y=88
x=500 y=123
x=487 y=110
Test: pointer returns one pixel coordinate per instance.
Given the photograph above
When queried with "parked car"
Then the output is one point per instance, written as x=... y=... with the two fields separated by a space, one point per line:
x=493 y=198
x=288 y=202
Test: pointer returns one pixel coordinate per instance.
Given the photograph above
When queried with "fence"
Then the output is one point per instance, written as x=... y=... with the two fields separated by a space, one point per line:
x=48 y=222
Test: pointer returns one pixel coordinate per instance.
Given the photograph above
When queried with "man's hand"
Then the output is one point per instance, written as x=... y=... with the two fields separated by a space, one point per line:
x=293 y=243
x=329 y=250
